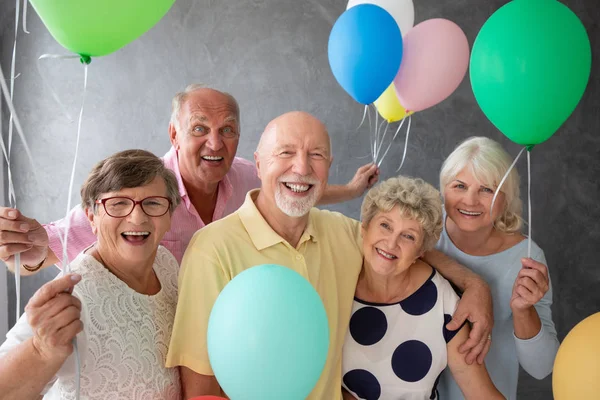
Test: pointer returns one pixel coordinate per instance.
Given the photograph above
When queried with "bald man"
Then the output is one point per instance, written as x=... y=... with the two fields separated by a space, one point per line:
x=279 y=224
x=204 y=132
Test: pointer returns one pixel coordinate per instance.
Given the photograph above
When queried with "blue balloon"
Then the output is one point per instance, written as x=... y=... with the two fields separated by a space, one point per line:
x=268 y=335
x=365 y=51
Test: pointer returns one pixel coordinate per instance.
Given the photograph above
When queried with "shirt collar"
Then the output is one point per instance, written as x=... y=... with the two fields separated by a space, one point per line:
x=260 y=232
x=171 y=161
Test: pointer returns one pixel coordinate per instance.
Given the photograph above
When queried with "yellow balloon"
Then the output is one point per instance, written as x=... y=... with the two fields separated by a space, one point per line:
x=388 y=105
x=576 y=373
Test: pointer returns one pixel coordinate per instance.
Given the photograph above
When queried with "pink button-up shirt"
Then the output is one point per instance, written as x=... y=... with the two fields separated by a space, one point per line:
x=185 y=220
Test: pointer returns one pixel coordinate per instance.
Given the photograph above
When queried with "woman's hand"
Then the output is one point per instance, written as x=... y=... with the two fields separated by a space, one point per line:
x=531 y=285
x=54 y=316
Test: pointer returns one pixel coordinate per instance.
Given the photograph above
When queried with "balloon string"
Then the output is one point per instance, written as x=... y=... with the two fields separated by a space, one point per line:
x=49 y=85
x=363 y=117
x=502 y=182
x=384 y=134
x=25 y=2
x=372 y=137
x=405 y=143
x=64 y=239
x=392 y=141
x=529 y=200
x=12 y=87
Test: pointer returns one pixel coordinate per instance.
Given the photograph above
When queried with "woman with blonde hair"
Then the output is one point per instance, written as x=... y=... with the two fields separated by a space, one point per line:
x=490 y=243
x=397 y=342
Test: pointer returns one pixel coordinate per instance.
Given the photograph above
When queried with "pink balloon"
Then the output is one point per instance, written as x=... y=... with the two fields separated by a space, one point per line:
x=435 y=59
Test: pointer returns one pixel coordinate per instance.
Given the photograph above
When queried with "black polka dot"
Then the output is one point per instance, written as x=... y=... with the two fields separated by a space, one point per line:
x=448 y=335
x=411 y=361
x=363 y=383
x=368 y=326
x=421 y=301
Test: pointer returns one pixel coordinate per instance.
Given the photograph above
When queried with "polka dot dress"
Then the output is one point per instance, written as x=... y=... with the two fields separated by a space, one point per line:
x=397 y=351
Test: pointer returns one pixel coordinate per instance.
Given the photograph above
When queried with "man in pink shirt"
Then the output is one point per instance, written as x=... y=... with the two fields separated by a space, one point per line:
x=204 y=132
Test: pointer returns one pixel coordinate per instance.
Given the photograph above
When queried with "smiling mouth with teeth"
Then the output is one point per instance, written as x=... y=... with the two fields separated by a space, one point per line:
x=384 y=254
x=212 y=158
x=470 y=213
x=298 y=187
x=135 y=236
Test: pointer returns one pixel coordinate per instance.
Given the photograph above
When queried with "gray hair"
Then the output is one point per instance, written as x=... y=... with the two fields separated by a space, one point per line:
x=416 y=199
x=181 y=97
x=488 y=162
x=127 y=169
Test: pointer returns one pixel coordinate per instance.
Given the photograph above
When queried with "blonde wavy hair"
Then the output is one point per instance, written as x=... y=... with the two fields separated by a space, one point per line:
x=416 y=199
x=488 y=162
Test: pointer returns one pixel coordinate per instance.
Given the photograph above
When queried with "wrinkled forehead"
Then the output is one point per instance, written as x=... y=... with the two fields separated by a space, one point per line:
x=210 y=105
x=303 y=135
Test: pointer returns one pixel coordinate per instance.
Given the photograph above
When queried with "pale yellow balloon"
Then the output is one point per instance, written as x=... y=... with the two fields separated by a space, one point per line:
x=388 y=105
x=576 y=373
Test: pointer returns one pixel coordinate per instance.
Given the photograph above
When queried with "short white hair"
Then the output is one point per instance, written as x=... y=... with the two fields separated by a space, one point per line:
x=180 y=98
x=488 y=162
x=415 y=199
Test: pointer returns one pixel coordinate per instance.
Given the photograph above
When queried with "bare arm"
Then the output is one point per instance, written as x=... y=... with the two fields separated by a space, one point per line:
x=193 y=384
x=473 y=380
x=456 y=273
x=24 y=372
x=53 y=315
x=365 y=177
x=346 y=395
x=475 y=305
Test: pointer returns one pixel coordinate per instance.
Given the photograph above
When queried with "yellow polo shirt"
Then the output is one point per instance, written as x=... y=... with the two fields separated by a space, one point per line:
x=328 y=256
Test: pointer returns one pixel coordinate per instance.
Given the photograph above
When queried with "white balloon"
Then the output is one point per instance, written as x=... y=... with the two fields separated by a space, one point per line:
x=403 y=11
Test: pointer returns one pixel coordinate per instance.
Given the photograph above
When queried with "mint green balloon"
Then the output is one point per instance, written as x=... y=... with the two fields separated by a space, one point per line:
x=530 y=65
x=268 y=335
x=95 y=28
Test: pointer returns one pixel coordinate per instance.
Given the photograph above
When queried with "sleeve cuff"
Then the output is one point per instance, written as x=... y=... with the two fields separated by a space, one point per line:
x=199 y=367
x=537 y=337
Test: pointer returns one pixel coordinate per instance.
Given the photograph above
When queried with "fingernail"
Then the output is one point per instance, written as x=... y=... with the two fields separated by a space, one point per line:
x=12 y=214
x=24 y=227
x=31 y=238
x=75 y=277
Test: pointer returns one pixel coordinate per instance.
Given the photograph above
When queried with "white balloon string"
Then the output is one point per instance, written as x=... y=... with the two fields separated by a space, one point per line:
x=529 y=200
x=25 y=3
x=363 y=117
x=405 y=143
x=16 y=122
x=12 y=73
x=47 y=82
x=502 y=182
x=391 y=141
x=379 y=136
x=65 y=238
x=387 y=125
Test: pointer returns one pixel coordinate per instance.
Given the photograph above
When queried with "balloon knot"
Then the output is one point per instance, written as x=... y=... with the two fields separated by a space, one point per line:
x=530 y=147
x=85 y=59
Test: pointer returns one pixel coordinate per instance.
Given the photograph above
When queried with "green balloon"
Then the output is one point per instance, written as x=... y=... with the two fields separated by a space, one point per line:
x=530 y=65
x=95 y=28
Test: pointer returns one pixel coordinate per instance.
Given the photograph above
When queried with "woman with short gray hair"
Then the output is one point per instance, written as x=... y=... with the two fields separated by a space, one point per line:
x=489 y=242
x=119 y=303
x=397 y=343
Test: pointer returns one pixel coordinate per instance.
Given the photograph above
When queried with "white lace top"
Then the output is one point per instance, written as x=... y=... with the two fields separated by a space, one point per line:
x=124 y=343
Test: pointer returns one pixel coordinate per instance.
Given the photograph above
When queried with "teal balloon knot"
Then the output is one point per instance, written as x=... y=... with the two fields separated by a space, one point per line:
x=85 y=59
x=529 y=147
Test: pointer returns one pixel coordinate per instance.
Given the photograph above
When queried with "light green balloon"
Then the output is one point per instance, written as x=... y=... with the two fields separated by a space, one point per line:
x=99 y=27
x=530 y=65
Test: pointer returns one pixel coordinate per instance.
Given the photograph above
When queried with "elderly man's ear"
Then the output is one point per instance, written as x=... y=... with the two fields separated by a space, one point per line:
x=173 y=136
x=89 y=213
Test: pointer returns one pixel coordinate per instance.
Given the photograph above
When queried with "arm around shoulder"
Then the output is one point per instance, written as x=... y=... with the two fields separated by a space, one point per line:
x=473 y=380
